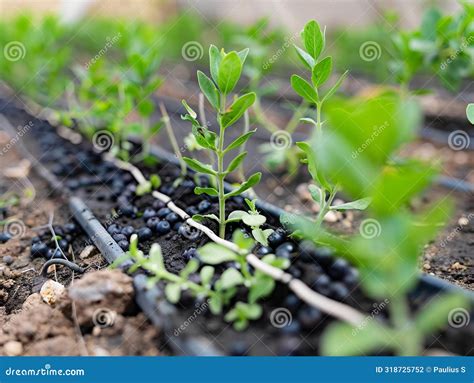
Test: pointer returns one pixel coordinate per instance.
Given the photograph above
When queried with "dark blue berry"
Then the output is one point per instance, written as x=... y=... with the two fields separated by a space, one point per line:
x=119 y=237
x=292 y=302
x=63 y=244
x=4 y=237
x=128 y=231
x=309 y=317
x=163 y=212
x=323 y=255
x=56 y=253
x=70 y=228
x=291 y=328
x=339 y=268
x=264 y=250
x=192 y=210
x=322 y=284
x=204 y=206
x=157 y=204
x=338 y=291
x=35 y=239
x=285 y=250
x=190 y=253
x=123 y=245
x=113 y=229
x=172 y=218
x=149 y=213
x=152 y=222
x=351 y=279
x=276 y=239
x=144 y=234
x=163 y=227
x=39 y=249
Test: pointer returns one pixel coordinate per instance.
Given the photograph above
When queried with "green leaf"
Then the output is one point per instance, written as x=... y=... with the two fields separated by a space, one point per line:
x=215 y=59
x=237 y=109
x=230 y=69
x=335 y=87
x=202 y=217
x=143 y=188
x=343 y=339
x=261 y=236
x=155 y=181
x=156 y=257
x=173 y=292
x=470 y=113
x=209 y=89
x=204 y=137
x=313 y=39
x=312 y=165
x=261 y=287
x=215 y=304
x=236 y=215
x=316 y=193
x=434 y=315
x=146 y=107
x=207 y=272
x=191 y=112
x=209 y=191
x=236 y=162
x=304 y=89
x=360 y=204
x=253 y=180
x=243 y=54
x=253 y=220
x=321 y=71
x=305 y=58
x=191 y=267
x=199 y=166
x=214 y=254
x=242 y=240
x=230 y=278
x=240 y=141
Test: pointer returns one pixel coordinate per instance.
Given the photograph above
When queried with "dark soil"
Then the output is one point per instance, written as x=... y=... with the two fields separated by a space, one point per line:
x=109 y=192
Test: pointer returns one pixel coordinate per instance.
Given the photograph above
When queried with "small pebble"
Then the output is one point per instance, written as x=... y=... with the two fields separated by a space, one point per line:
x=13 y=348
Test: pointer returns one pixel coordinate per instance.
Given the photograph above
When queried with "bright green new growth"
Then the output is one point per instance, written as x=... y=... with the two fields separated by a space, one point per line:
x=217 y=292
x=106 y=98
x=389 y=245
x=225 y=69
x=314 y=42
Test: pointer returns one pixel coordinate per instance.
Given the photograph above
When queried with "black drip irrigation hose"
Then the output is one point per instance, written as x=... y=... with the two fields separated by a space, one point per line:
x=60 y=261
x=151 y=300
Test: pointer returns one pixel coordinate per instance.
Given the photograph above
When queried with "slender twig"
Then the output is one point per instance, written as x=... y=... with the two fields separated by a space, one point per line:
x=172 y=137
x=60 y=261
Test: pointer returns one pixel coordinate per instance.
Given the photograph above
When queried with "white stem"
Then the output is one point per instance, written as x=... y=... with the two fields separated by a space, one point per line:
x=334 y=308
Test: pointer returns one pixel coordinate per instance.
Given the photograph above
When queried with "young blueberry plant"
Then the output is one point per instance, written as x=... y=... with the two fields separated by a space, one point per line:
x=254 y=220
x=324 y=191
x=217 y=290
x=225 y=69
x=389 y=242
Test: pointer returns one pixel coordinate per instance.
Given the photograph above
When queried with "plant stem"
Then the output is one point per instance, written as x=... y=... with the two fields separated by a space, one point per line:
x=220 y=172
x=240 y=170
x=203 y=121
x=409 y=343
x=172 y=137
x=325 y=207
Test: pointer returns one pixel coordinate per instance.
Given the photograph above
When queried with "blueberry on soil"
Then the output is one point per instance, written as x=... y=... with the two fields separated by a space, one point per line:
x=128 y=231
x=123 y=245
x=172 y=218
x=309 y=317
x=39 y=249
x=5 y=237
x=163 y=212
x=144 y=233
x=339 y=268
x=163 y=227
x=152 y=222
x=204 y=206
x=148 y=213
x=276 y=239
